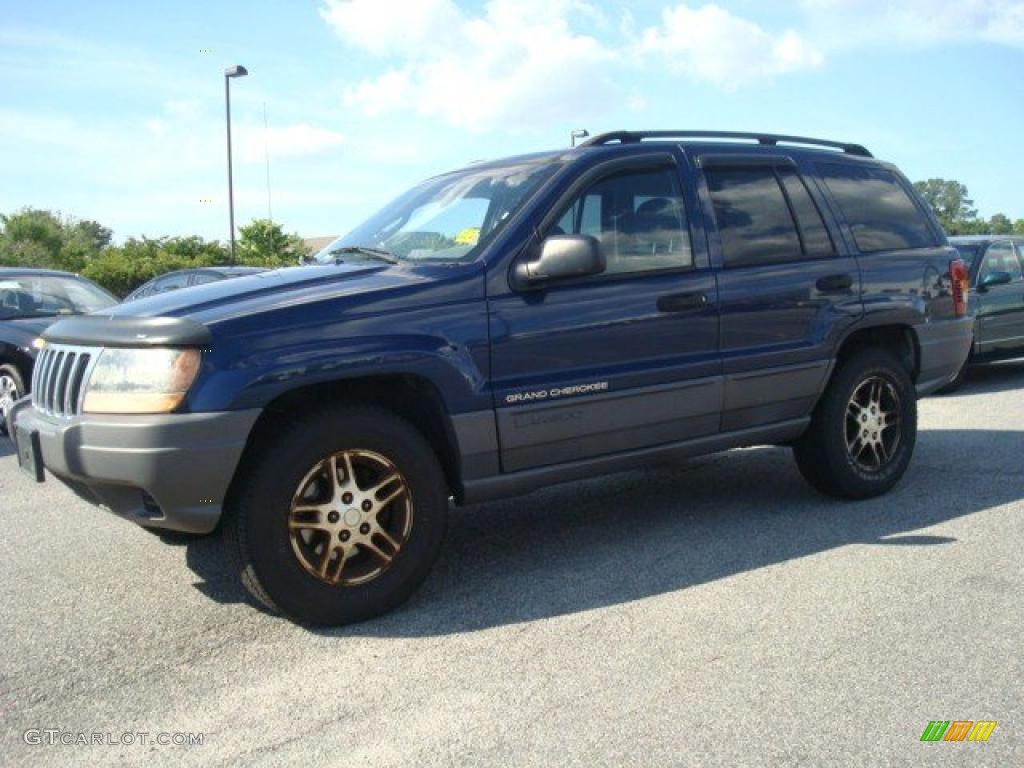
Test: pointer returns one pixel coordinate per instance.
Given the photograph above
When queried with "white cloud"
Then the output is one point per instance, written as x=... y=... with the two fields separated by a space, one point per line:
x=726 y=50
x=516 y=63
x=297 y=140
x=384 y=27
x=521 y=62
x=921 y=22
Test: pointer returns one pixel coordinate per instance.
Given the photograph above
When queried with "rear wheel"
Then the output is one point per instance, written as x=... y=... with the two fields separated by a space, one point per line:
x=12 y=387
x=338 y=517
x=862 y=434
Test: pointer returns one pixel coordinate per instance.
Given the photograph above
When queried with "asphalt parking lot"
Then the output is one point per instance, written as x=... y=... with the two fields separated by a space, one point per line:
x=713 y=612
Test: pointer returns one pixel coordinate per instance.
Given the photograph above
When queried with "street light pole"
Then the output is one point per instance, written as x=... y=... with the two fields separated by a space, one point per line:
x=236 y=71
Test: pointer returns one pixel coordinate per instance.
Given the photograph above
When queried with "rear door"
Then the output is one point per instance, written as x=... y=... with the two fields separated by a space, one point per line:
x=622 y=360
x=785 y=290
x=1000 y=324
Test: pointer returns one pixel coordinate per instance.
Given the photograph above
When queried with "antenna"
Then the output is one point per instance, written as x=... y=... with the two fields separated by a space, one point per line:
x=266 y=154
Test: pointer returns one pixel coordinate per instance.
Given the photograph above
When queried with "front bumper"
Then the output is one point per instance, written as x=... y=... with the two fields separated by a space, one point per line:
x=162 y=471
x=944 y=347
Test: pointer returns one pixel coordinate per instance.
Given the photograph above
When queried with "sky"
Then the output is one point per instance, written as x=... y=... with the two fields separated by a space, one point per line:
x=115 y=111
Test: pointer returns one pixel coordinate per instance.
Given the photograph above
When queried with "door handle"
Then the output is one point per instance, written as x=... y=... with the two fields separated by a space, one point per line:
x=682 y=302
x=834 y=283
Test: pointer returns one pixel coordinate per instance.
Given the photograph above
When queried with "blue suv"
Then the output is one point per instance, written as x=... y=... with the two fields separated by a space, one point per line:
x=513 y=324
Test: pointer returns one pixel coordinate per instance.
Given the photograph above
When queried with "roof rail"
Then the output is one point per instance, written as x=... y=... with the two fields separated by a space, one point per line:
x=768 y=139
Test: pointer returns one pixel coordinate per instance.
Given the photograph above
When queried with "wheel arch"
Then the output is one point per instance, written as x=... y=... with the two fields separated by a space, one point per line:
x=13 y=356
x=898 y=337
x=410 y=396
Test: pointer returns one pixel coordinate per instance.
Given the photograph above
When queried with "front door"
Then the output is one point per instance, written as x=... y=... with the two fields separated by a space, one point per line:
x=1000 y=324
x=617 y=361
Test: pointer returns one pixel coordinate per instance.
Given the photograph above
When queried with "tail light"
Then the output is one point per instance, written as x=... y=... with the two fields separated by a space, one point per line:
x=961 y=286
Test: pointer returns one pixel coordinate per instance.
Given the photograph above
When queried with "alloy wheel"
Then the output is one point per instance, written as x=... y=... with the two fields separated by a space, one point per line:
x=9 y=395
x=873 y=424
x=350 y=517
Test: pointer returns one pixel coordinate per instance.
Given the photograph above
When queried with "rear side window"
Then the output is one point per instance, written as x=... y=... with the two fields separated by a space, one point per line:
x=765 y=215
x=171 y=283
x=813 y=233
x=880 y=212
x=205 y=277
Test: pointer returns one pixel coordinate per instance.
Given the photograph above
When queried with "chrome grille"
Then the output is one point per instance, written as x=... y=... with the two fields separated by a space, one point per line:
x=58 y=380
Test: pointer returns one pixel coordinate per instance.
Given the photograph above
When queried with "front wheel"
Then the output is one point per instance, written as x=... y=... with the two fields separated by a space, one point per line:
x=12 y=387
x=338 y=516
x=862 y=434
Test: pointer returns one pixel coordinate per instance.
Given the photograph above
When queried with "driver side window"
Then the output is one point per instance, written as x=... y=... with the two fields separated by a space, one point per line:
x=638 y=218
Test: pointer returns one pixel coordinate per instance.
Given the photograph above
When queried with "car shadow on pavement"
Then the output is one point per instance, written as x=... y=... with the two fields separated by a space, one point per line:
x=634 y=535
x=6 y=446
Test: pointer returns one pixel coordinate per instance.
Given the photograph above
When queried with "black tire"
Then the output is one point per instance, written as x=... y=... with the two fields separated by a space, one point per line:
x=9 y=376
x=956 y=383
x=257 y=514
x=822 y=453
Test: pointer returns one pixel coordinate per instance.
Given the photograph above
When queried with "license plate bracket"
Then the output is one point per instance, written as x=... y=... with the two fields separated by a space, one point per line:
x=30 y=454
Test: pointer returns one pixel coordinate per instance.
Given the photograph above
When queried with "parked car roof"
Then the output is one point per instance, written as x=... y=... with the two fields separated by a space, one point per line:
x=222 y=270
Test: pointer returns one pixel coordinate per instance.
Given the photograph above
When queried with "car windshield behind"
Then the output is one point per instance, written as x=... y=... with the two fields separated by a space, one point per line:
x=969 y=253
x=447 y=218
x=48 y=295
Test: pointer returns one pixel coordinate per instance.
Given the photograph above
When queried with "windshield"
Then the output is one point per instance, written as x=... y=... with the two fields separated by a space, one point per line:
x=448 y=218
x=48 y=295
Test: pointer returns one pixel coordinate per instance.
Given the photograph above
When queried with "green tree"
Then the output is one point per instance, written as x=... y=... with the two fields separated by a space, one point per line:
x=264 y=243
x=33 y=237
x=1000 y=224
x=123 y=268
x=951 y=202
x=1018 y=227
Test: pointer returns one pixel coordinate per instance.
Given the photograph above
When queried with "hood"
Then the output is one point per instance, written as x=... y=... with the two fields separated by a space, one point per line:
x=23 y=331
x=281 y=288
x=262 y=286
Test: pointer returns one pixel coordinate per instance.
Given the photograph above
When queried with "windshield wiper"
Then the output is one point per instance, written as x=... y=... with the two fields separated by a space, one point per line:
x=363 y=250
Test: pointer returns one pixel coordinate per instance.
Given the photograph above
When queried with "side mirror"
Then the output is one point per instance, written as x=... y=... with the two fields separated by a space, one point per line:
x=562 y=256
x=995 y=278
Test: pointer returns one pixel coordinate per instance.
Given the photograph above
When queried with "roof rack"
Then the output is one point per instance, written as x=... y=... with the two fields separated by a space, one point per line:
x=767 y=139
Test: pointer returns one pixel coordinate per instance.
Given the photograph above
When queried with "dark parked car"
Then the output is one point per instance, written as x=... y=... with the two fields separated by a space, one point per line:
x=31 y=299
x=996 y=264
x=183 y=278
x=516 y=323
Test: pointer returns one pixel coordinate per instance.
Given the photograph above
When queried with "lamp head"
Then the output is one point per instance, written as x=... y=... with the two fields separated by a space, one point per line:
x=236 y=71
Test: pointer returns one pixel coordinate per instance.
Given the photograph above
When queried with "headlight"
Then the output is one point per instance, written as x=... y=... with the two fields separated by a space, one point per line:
x=140 y=380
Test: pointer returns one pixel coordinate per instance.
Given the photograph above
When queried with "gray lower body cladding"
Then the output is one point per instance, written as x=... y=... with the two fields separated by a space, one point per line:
x=163 y=471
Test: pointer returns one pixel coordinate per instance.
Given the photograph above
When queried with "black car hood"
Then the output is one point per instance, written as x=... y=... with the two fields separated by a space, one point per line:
x=22 y=331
